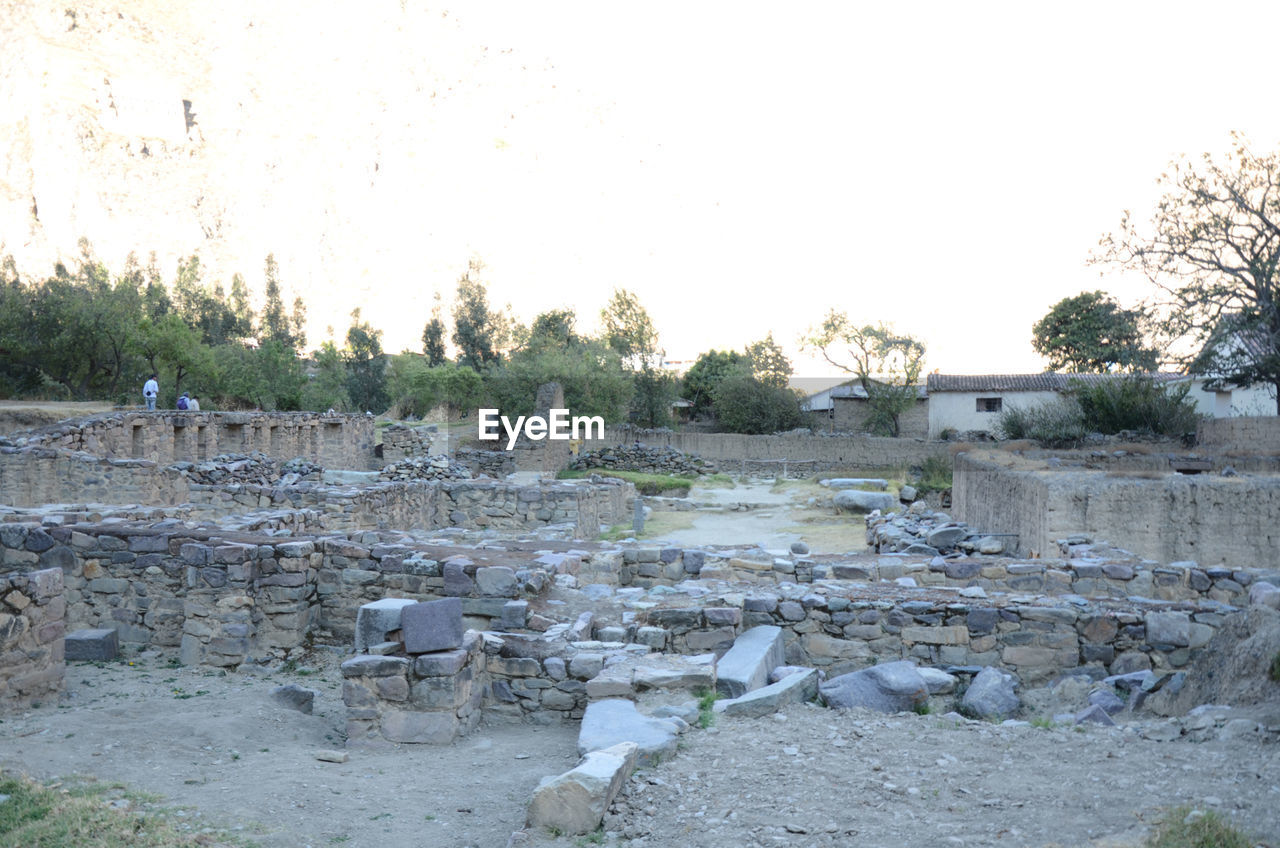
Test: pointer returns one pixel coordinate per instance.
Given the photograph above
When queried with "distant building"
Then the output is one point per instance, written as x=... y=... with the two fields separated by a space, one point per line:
x=844 y=409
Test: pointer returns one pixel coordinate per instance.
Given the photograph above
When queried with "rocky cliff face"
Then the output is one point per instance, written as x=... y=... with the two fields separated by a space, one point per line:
x=320 y=131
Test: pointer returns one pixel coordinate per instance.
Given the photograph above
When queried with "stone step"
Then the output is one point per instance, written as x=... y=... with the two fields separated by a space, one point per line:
x=575 y=802
x=612 y=721
x=746 y=666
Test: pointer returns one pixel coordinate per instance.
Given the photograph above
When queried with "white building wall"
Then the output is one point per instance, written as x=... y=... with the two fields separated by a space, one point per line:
x=959 y=410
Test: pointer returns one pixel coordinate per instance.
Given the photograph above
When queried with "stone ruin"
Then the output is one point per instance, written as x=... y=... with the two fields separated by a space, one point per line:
x=454 y=598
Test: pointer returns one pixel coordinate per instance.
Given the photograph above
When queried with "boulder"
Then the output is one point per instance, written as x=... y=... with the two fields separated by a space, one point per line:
x=294 y=697
x=887 y=688
x=991 y=695
x=575 y=802
x=855 y=500
x=939 y=682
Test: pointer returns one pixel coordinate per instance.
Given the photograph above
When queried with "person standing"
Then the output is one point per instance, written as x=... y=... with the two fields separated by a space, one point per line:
x=193 y=403
x=149 y=391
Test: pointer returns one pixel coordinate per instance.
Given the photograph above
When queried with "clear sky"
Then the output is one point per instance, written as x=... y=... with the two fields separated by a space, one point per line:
x=946 y=167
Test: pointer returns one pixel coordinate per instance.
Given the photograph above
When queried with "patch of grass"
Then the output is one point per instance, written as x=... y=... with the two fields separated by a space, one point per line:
x=706 y=707
x=922 y=708
x=935 y=475
x=669 y=485
x=1183 y=827
x=554 y=831
x=1274 y=671
x=596 y=837
x=38 y=816
x=1042 y=722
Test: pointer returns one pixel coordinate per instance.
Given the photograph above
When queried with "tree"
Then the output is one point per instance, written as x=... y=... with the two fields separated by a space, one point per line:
x=1212 y=249
x=887 y=364
x=326 y=388
x=628 y=329
x=746 y=405
x=1091 y=333
x=433 y=337
x=706 y=373
x=366 y=367
x=769 y=364
x=276 y=325
x=478 y=331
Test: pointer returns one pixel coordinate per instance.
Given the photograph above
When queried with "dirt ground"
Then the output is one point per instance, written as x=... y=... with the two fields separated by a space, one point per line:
x=216 y=746
x=16 y=415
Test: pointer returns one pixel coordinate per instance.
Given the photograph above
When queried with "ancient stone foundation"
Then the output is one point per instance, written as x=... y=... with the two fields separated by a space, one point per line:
x=32 y=627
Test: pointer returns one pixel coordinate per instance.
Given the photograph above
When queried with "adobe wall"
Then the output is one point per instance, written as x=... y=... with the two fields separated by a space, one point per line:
x=822 y=453
x=850 y=416
x=1260 y=434
x=32 y=629
x=1167 y=517
x=334 y=441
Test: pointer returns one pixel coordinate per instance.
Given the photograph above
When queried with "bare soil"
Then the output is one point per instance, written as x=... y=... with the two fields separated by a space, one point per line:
x=216 y=745
x=18 y=415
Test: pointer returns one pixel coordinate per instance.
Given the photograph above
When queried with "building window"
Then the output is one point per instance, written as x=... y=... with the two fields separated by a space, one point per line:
x=989 y=404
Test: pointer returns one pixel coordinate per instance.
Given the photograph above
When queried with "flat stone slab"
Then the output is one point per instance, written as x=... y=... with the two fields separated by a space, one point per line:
x=575 y=802
x=856 y=500
x=612 y=721
x=793 y=689
x=375 y=620
x=747 y=664
x=854 y=482
x=94 y=644
x=432 y=626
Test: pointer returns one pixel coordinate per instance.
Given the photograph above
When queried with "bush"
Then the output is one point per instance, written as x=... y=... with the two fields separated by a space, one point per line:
x=1184 y=828
x=745 y=405
x=1138 y=403
x=417 y=388
x=1054 y=422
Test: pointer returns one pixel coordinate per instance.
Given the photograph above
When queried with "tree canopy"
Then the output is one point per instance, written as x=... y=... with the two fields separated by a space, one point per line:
x=1091 y=333
x=1212 y=249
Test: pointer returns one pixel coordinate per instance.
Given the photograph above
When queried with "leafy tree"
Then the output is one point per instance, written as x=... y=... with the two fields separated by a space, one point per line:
x=769 y=364
x=277 y=326
x=1212 y=249
x=326 y=387
x=629 y=330
x=746 y=405
x=172 y=347
x=553 y=328
x=478 y=331
x=706 y=373
x=417 y=388
x=1091 y=333
x=433 y=337
x=887 y=364
x=591 y=374
x=366 y=368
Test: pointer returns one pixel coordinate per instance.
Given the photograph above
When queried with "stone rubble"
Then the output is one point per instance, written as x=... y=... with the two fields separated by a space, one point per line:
x=425 y=468
x=643 y=458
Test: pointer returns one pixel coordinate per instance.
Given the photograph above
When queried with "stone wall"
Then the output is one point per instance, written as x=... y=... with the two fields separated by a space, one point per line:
x=401 y=442
x=334 y=441
x=1167 y=517
x=32 y=629
x=824 y=453
x=1260 y=434
x=649 y=460
x=33 y=476
x=1037 y=642
x=849 y=415
x=496 y=464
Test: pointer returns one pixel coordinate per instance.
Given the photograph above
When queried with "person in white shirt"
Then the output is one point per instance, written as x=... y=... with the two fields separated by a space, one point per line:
x=149 y=391
x=193 y=403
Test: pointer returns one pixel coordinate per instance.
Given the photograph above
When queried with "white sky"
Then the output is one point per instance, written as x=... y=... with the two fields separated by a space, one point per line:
x=946 y=167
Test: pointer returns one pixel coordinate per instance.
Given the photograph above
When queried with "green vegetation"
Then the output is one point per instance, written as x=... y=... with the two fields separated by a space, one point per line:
x=706 y=706
x=1091 y=333
x=887 y=364
x=922 y=708
x=79 y=813
x=646 y=484
x=596 y=837
x=934 y=475
x=1183 y=827
x=1042 y=722
x=1274 y=671
x=1132 y=402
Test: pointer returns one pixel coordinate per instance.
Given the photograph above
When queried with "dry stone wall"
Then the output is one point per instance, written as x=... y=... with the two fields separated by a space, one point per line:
x=34 y=476
x=1234 y=521
x=1254 y=434
x=823 y=453
x=32 y=628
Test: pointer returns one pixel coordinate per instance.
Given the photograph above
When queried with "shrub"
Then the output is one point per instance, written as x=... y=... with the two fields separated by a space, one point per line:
x=745 y=405
x=1184 y=828
x=1138 y=403
x=1054 y=422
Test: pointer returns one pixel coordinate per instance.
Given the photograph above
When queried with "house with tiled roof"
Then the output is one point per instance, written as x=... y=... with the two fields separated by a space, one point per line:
x=973 y=402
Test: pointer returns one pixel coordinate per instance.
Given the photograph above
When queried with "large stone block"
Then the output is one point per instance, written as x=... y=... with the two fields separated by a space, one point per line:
x=575 y=802
x=95 y=644
x=375 y=620
x=792 y=689
x=747 y=664
x=607 y=723
x=432 y=626
x=435 y=728
x=888 y=688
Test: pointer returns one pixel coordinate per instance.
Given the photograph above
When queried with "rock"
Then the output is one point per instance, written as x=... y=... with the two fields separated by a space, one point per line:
x=747 y=664
x=1168 y=628
x=1107 y=700
x=612 y=721
x=375 y=620
x=907 y=494
x=432 y=626
x=331 y=756
x=799 y=548
x=938 y=682
x=877 y=483
x=496 y=581
x=792 y=689
x=1094 y=714
x=855 y=500
x=947 y=537
x=1165 y=731
x=887 y=688
x=98 y=644
x=294 y=697
x=990 y=545
x=991 y=695
x=1239 y=728
x=1264 y=594
x=575 y=802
